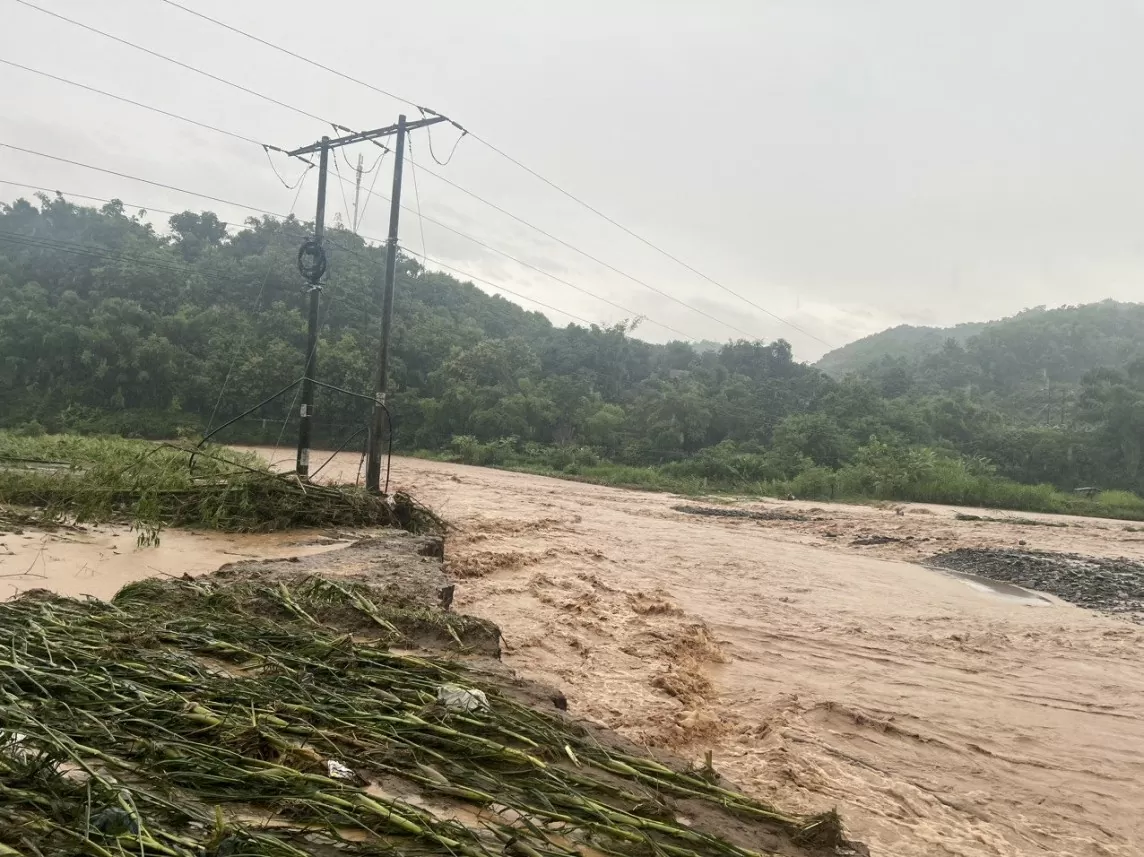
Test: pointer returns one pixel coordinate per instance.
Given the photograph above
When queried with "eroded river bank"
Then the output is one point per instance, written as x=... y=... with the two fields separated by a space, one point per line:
x=809 y=650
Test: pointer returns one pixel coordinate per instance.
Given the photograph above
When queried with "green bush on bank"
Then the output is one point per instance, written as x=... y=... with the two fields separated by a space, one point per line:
x=879 y=471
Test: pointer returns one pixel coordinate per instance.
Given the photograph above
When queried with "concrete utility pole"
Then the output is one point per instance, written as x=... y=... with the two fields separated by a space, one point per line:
x=312 y=264
x=313 y=271
x=378 y=420
x=357 y=191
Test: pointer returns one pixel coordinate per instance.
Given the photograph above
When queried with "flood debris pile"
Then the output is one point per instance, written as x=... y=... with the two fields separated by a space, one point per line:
x=66 y=479
x=269 y=716
x=1114 y=586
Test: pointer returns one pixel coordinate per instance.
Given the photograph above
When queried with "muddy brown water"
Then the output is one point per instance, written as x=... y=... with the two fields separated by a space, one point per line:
x=98 y=561
x=940 y=715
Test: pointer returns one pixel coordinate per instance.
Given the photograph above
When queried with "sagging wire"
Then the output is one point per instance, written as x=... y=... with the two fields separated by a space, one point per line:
x=285 y=184
x=425 y=112
x=417 y=197
x=257 y=301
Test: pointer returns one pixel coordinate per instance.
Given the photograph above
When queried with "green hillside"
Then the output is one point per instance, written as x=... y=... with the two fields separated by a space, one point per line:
x=1056 y=346
x=902 y=342
x=108 y=326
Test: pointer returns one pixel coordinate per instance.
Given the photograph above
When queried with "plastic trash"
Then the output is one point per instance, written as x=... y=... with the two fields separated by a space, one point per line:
x=338 y=771
x=458 y=698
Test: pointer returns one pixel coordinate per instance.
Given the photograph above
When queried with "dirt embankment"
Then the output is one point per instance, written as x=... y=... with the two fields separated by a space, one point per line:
x=276 y=706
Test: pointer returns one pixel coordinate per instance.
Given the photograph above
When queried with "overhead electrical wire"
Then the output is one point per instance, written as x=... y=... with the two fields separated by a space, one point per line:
x=515 y=161
x=267 y=148
x=572 y=285
x=342 y=188
x=296 y=56
x=257 y=305
x=371 y=192
x=498 y=286
x=261 y=95
x=181 y=64
x=102 y=254
x=138 y=179
x=475 y=240
x=134 y=103
x=417 y=197
x=103 y=199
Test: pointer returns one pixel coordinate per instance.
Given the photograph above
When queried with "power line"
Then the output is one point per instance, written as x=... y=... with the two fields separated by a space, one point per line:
x=417 y=197
x=380 y=196
x=477 y=279
x=267 y=148
x=134 y=103
x=106 y=255
x=573 y=247
x=569 y=284
x=102 y=199
x=643 y=240
x=510 y=159
x=179 y=63
x=296 y=56
x=257 y=304
x=138 y=179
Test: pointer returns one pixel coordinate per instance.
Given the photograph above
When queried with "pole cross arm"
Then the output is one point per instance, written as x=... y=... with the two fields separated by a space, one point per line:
x=365 y=136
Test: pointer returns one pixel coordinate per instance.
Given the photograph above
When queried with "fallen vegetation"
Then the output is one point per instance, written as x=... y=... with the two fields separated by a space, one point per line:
x=73 y=479
x=227 y=717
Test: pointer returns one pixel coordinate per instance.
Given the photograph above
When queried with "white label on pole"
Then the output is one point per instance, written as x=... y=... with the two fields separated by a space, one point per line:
x=304 y=458
x=304 y=411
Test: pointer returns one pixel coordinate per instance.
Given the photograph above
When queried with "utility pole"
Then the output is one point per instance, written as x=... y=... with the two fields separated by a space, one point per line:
x=373 y=461
x=357 y=190
x=316 y=269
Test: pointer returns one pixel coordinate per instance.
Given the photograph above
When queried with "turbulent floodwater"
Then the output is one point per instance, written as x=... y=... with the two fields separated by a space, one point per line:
x=940 y=714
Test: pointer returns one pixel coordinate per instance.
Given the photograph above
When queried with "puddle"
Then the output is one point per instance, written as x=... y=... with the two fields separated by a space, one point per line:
x=1008 y=591
x=99 y=561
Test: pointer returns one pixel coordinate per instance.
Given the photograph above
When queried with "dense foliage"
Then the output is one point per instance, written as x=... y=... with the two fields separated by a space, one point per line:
x=106 y=325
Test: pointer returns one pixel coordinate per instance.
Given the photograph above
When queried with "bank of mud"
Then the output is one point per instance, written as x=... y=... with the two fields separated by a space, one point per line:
x=324 y=705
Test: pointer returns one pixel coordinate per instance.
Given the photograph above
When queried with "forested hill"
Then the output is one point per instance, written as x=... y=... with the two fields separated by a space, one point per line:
x=106 y=325
x=905 y=342
x=1039 y=346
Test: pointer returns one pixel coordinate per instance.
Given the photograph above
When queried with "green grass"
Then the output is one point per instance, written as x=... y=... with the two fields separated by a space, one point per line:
x=74 y=479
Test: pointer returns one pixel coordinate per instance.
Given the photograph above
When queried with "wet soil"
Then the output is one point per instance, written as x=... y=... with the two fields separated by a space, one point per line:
x=1111 y=585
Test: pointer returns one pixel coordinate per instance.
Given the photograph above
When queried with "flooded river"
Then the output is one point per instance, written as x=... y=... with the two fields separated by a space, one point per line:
x=822 y=666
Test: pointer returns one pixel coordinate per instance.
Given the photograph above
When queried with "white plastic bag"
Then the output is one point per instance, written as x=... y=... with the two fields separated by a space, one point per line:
x=458 y=698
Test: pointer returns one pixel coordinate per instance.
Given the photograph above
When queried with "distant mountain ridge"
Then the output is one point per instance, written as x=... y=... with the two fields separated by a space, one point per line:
x=1059 y=344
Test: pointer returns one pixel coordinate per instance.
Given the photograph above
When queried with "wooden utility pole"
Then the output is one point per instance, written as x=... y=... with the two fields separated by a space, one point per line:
x=378 y=421
x=315 y=269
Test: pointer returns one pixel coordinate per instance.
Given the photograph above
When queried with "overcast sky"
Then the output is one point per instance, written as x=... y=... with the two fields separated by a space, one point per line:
x=846 y=165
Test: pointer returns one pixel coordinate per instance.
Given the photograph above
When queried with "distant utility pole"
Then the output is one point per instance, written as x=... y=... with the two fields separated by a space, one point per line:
x=357 y=190
x=312 y=264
